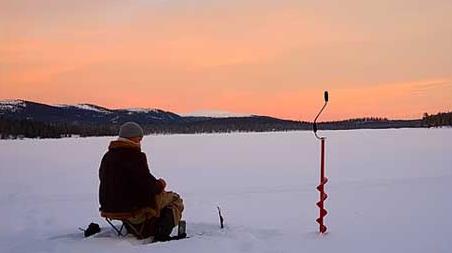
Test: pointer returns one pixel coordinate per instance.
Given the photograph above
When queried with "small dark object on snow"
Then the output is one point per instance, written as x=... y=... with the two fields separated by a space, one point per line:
x=221 y=217
x=92 y=229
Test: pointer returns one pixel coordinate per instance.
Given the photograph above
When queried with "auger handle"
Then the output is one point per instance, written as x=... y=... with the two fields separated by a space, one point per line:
x=314 y=125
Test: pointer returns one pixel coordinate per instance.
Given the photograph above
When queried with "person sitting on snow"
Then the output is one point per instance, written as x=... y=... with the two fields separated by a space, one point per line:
x=127 y=186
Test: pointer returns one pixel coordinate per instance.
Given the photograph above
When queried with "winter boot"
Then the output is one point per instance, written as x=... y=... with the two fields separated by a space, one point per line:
x=181 y=230
x=165 y=225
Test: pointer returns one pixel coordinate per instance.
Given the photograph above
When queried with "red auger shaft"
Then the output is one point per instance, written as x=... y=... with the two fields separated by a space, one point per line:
x=321 y=189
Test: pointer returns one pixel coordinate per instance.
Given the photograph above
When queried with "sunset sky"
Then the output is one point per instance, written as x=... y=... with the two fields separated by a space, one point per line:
x=386 y=58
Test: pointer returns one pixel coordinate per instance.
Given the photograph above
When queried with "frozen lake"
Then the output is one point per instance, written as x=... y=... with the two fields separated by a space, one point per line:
x=389 y=191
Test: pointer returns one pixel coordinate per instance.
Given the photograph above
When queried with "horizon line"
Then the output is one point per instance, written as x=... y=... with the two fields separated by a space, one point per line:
x=183 y=114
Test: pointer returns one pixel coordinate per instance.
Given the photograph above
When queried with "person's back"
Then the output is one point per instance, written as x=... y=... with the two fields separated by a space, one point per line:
x=127 y=186
x=125 y=181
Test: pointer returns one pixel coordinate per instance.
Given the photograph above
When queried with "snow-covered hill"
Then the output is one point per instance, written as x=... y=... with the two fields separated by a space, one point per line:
x=11 y=105
x=89 y=107
x=82 y=113
x=389 y=191
x=215 y=114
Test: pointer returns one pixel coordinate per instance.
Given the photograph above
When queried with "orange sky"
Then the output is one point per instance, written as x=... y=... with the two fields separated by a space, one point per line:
x=388 y=58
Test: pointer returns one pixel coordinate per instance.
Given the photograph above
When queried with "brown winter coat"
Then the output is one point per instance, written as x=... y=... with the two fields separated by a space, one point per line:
x=126 y=183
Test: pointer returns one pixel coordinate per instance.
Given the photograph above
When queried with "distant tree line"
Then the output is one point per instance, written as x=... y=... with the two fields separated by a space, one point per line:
x=369 y=123
x=437 y=120
x=14 y=128
x=25 y=128
x=227 y=125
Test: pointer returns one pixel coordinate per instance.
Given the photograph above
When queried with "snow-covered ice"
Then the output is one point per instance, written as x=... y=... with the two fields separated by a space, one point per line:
x=389 y=191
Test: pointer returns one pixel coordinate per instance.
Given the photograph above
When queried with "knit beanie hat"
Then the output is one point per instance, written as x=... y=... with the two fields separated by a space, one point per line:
x=130 y=129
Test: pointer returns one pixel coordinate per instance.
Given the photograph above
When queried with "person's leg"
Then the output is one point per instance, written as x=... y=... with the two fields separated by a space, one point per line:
x=171 y=207
x=158 y=222
x=143 y=223
x=144 y=229
x=165 y=224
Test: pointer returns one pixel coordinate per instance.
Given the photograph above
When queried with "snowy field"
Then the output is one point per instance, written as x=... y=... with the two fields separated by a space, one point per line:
x=389 y=191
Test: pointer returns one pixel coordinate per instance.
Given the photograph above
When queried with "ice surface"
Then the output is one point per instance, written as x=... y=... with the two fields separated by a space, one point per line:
x=389 y=191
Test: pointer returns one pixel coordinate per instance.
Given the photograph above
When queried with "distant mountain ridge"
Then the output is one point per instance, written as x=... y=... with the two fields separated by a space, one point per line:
x=82 y=113
x=216 y=114
x=31 y=119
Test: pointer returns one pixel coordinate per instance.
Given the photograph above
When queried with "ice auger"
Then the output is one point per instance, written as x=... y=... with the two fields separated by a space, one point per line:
x=323 y=178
